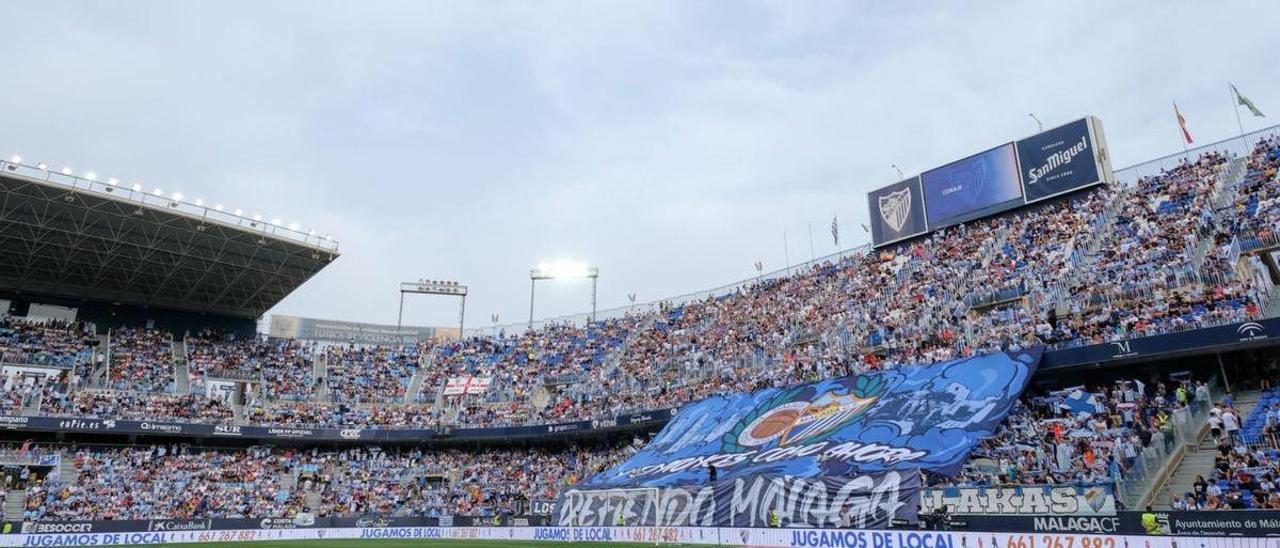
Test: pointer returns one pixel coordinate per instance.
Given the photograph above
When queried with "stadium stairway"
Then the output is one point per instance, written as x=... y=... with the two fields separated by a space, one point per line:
x=415 y=382
x=320 y=372
x=1198 y=458
x=67 y=468
x=15 y=504
x=181 y=375
x=98 y=371
x=312 y=499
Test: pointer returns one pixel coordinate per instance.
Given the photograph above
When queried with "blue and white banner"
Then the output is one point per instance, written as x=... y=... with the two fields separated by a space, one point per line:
x=1060 y=160
x=870 y=501
x=928 y=417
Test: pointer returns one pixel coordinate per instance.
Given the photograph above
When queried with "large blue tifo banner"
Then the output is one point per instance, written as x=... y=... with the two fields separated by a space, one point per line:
x=867 y=431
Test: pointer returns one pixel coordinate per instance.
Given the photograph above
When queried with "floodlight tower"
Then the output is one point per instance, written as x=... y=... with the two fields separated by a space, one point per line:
x=563 y=270
x=435 y=287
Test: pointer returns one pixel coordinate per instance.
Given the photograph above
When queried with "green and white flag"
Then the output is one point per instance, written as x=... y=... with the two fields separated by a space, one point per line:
x=1242 y=100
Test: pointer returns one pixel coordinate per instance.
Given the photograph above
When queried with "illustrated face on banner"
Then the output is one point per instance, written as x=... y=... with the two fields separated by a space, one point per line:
x=927 y=417
x=897 y=212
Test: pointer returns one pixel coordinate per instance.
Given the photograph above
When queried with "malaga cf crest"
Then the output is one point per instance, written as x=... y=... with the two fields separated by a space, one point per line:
x=797 y=416
x=895 y=207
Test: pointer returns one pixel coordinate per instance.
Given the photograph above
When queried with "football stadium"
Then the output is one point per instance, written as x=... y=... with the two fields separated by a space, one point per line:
x=1031 y=347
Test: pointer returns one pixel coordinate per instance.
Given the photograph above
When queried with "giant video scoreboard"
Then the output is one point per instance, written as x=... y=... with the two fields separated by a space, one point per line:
x=1057 y=161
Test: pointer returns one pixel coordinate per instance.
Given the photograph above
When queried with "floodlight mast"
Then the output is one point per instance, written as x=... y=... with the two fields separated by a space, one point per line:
x=563 y=271
x=435 y=287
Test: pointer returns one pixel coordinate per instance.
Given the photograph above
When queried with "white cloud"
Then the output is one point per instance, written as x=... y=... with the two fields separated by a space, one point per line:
x=669 y=143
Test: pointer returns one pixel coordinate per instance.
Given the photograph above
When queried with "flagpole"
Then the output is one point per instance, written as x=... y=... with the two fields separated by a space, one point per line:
x=786 y=248
x=1182 y=136
x=812 y=255
x=1235 y=105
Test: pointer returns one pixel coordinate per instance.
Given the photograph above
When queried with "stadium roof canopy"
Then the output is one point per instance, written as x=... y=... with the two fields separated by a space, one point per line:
x=80 y=238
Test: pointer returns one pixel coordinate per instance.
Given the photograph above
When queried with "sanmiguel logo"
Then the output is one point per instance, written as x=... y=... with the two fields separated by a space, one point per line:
x=1056 y=160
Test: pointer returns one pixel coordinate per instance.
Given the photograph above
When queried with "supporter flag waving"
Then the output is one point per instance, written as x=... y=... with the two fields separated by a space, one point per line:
x=1245 y=102
x=1182 y=123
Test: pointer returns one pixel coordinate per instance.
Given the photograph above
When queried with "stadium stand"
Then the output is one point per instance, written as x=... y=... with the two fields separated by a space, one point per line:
x=174 y=481
x=1174 y=251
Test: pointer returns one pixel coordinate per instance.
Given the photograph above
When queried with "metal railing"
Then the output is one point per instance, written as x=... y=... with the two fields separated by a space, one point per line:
x=1150 y=469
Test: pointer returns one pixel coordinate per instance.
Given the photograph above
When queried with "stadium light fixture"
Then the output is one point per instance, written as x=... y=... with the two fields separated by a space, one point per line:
x=15 y=159
x=200 y=201
x=293 y=226
x=435 y=287
x=137 y=187
x=217 y=207
x=563 y=270
x=67 y=171
x=177 y=196
x=158 y=192
x=42 y=166
x=275 y=221
x=113 y=181
x=91 y=176
x=239 y=212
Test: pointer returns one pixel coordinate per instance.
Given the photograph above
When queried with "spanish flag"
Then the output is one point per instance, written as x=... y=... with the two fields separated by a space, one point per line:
x=1182 y=123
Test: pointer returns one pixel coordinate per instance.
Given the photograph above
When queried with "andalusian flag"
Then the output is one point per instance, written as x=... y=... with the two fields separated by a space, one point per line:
x=1242 y=100
x=1182 y=123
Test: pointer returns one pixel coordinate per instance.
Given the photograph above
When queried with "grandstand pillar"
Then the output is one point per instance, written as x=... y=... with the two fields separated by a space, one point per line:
x=462 y=316
x=400 y=316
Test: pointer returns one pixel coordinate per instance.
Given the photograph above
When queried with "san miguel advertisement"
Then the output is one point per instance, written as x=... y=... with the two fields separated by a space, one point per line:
x=868 y=432
x=1060 y=160
x=1054 y=162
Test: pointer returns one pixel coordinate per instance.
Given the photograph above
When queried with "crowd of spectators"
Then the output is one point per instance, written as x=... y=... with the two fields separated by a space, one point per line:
x=284 y=367
x=1082 y=435
x=1247 y=457
x=1253 y=215
x=174 y=481
x=1105 y=264
x=331 y=415
x=368 y=374
x=49 y=342
x=141 y=359
x=131 y=405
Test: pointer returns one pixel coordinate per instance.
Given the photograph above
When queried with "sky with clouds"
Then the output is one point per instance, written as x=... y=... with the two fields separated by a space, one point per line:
x=669 y=143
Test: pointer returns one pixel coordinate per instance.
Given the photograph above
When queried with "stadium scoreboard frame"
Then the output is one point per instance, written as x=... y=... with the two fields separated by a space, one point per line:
x=1048 y=164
